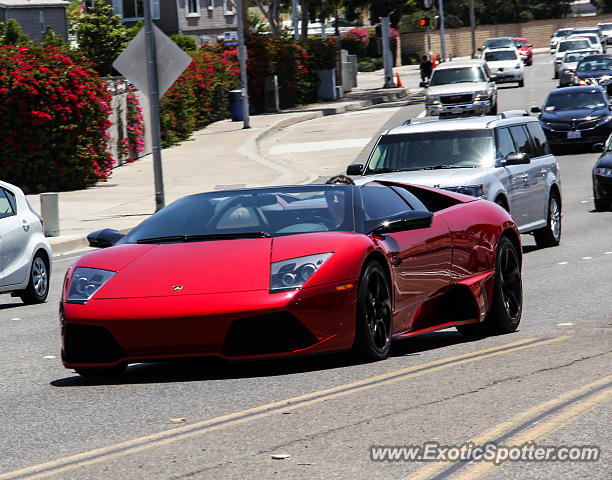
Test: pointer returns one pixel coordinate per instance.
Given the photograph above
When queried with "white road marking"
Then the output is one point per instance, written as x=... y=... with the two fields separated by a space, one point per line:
x=421 y=115
x=587 y=258
x=565 y=324
x=608 y=253
x=584 y=201
x=319 y=146
x=563 y=263
x=50 y=356
x=15 y=318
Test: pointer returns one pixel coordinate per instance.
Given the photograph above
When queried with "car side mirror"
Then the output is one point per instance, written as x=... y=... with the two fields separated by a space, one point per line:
x=104 y=238
x=423 y=84
x=354 y=169
x=479 y=49
x=598 y=147
x=536 y=110
x=530 y=45
x=493 y=78
x=517 y=159
x=411 y=220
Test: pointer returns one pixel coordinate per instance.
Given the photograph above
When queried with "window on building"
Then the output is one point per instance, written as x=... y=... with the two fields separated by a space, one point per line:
x=192 y=8
x=229 y=7
x=42 y=22
x=133 y=10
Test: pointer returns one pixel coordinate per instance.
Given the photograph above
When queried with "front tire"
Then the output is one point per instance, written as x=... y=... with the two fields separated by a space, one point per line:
x=38 y=285
x=507 y=304
x=374 y=313
x=550 y=235
x=521 y=83
x=601 y=204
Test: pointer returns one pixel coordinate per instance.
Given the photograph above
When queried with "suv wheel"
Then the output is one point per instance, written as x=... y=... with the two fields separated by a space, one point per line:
x=550 y=235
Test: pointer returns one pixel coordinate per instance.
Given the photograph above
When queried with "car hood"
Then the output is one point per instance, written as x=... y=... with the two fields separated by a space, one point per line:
x=444 y=178
x=455 y=88
x=569 y=115
x=209 y=267
x=594 y=74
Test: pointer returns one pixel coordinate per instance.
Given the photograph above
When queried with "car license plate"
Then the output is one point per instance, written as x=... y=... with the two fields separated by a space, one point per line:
x=576 y=134
x=456 y=110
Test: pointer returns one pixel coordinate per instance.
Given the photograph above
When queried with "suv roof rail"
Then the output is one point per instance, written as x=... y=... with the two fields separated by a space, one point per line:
x=416 y=121
x=513 y=113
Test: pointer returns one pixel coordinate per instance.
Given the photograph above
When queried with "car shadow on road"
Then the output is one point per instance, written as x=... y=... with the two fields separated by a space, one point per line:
x=195 y=370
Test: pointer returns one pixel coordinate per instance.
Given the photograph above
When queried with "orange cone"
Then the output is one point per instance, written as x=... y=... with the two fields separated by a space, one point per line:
x=399 y=80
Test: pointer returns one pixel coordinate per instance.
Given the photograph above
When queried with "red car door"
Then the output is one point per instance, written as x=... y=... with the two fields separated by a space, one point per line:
x=420 y=259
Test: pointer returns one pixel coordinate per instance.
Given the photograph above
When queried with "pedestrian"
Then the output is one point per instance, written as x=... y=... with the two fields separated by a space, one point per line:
x=425 y=67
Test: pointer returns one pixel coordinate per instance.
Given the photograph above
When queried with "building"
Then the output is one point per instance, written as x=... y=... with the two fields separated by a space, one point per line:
x=33 y=16
x=204 y=20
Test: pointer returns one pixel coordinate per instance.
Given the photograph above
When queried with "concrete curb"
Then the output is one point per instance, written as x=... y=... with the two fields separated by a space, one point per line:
x=250 y=149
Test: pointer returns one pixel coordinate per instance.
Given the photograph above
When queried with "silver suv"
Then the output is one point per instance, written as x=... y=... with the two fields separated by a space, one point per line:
x=505 y=159
x=461 y=88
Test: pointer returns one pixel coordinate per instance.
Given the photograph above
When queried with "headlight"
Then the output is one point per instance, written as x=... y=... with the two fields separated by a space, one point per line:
x=568 y=72
x=603 y=172
x=480 y=96
x=432 y=100
x=472 y=190
x=517 y=66
x=85 y=282
x=292 y=274
x=605 y=119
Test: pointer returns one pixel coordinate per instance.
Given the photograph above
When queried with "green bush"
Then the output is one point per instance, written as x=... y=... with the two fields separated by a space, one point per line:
x=55 y=96
x=369 y=64
x=199 y=96
x=186 y=42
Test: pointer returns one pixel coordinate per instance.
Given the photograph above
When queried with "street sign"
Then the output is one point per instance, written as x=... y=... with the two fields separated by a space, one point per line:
x=171 y=61
x=230 y=39
x=427 y=4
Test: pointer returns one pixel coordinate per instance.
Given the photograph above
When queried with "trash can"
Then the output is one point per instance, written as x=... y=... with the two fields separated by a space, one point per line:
x=235 y=99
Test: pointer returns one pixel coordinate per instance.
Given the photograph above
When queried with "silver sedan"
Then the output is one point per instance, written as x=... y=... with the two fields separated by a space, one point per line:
x=568 y=65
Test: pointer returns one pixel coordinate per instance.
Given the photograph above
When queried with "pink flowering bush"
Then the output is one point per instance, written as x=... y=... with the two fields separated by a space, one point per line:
x=53 y=117
x=134 y=126
x=363 y=42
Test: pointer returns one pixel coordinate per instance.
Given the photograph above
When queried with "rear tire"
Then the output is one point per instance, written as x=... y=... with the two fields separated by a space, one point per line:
x=556 y=75
x=494 y=109
x=507 y=304
x=374 y=321
x=550 y=235
x=38 y=285
x=521 y=83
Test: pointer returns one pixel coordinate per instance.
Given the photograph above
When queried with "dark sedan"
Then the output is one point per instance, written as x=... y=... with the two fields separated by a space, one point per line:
x=602 y=179
x=576 y=115
x=594 y=70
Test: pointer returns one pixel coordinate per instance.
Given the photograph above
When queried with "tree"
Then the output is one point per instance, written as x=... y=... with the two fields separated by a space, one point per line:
x=50 y=39
x=101 y=36
x=12 y=34
x=271 y=10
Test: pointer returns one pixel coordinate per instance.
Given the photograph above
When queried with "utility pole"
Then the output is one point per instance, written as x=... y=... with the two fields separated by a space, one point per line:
x=385 y=27
x=442 y=41
x=296 y=33
x=473 y=25
x=154 y=106
x=242 y=57
x=323 y=23
x=427 y=4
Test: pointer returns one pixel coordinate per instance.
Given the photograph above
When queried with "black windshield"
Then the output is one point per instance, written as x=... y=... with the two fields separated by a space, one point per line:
x=456 y=75
x=257 y=213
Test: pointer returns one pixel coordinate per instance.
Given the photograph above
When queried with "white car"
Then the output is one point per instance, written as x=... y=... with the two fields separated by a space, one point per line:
x=593 y=38
x=567 y=45
x=506 y=64
x=559 y=35
x=25 y=253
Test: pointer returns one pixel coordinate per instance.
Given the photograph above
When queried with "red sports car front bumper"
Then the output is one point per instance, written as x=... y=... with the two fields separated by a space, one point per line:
x=242 y=325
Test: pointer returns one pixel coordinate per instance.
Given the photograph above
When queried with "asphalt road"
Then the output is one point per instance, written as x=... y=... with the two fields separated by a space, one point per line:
x=549 y=383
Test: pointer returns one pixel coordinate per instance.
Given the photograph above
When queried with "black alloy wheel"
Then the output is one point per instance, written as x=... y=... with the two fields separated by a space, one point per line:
x=507 y=305
x=374 y=313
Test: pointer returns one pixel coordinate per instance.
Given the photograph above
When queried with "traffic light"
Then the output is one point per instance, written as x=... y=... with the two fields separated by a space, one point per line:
x=424 y=22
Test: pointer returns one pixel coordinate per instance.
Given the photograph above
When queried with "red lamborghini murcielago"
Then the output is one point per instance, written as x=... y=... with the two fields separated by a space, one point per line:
x=283 y=271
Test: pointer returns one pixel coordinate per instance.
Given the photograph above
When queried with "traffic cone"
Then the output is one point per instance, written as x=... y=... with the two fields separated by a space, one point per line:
x=399 y=80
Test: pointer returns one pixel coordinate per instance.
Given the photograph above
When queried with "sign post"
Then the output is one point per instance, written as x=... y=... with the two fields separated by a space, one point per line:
x=152 y=62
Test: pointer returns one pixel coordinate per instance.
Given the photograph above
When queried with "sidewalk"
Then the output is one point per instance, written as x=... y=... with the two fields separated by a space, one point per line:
x=223 y=155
